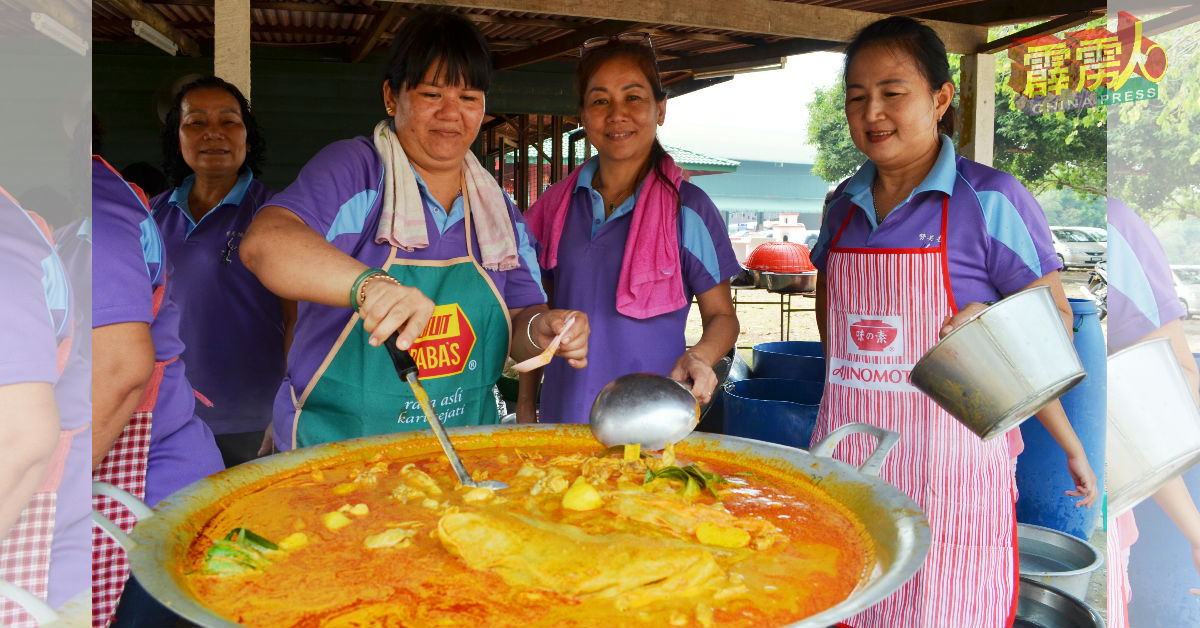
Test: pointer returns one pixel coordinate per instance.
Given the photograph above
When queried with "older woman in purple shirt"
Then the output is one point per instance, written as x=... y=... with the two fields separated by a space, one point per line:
x=231 y=326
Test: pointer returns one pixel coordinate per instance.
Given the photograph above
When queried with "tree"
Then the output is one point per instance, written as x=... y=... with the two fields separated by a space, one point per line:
x=837 y=156
x=1154 y=155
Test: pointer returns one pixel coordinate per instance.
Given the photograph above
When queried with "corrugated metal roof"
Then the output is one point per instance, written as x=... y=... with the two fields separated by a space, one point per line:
x=343 y=23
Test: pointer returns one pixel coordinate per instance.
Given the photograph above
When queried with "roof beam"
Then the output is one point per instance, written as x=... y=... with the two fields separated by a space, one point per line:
x=1045 y=28
x=764 y=17
x=689 y=85
x=560 y=45
x=379 y=26
x=748 y=54
x=996 y=12
x=1171 y=21
x=138 y=10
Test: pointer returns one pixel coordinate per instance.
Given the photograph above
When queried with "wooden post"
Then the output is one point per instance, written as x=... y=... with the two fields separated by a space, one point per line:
x=231 y=37
x=556 y=153
x=977 y=108
x=521 y=164
x=539 y=140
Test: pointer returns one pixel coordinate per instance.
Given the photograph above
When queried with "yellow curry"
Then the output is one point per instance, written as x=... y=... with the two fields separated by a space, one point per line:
x=579 y=539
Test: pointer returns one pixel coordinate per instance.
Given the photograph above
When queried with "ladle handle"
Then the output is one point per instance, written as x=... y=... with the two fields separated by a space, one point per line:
x=886 y=440
x=444 y=439
x=400 y=358
x=406 y=368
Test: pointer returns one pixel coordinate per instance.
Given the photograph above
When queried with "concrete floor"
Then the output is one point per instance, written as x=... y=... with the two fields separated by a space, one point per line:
x=1097 y=596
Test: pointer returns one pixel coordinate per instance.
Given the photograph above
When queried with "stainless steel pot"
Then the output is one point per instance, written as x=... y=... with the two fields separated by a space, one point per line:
x=1057 y=559
x=1153 y=424
x=790 y=283
x=1003 y=365
x=158 y=544
x=1043 y=606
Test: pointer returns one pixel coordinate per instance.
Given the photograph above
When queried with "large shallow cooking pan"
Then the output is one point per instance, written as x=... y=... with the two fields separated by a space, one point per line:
x=159 y=542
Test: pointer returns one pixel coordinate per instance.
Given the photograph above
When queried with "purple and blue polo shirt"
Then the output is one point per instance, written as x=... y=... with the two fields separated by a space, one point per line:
x=997 y=239
x=38 y=313
x=231 y=326
x=129 y=262
x=1141 y=288
x=339 y=193
x=589 y=264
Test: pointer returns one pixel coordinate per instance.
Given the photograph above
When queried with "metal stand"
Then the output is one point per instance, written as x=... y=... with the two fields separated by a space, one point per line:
x=786 y=308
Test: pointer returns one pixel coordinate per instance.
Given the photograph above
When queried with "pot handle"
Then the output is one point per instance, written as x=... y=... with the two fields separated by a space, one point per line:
x=139 y=509
x=41 y=611
x=886 y=440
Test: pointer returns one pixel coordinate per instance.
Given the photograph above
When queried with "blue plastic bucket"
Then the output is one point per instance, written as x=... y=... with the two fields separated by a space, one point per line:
x=793 y=359
x=781 y=411
x=1042 y=475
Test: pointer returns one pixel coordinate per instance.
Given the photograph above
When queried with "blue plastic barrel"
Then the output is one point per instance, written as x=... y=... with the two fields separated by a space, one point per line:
x=779 y=411
x=1042 y=475
x=793 y=359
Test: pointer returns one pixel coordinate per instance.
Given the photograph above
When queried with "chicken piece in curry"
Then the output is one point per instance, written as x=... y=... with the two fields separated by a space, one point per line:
x=577 y=540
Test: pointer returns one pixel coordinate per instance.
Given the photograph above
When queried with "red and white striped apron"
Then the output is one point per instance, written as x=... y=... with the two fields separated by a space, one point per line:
x=123 y=467
x=1122 y=533
x=885 y=308
x=25 y=550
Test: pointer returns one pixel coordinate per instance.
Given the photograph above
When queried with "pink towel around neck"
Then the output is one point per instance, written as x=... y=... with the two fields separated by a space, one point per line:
x=651 y=279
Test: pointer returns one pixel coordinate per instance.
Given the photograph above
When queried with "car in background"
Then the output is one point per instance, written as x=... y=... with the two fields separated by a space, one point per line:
x=1187 y=287
x=1096 y=233
x=1077 y=247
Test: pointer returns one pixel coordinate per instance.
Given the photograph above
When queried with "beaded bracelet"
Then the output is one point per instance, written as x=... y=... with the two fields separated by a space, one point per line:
x=354 y=289
x=362 y=291
x=529 y=332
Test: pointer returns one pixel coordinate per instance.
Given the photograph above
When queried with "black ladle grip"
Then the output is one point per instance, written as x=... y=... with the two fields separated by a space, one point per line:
x=401 y=358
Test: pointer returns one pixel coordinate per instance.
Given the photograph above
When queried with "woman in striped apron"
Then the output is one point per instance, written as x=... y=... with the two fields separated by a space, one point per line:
x=911 y=245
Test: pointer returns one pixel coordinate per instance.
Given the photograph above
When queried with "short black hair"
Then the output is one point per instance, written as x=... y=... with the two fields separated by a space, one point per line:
x=174 y=165
x=438 y=37
x=919 y=42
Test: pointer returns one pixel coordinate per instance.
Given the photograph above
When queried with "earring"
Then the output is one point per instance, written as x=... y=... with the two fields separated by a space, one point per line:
x=391 y=112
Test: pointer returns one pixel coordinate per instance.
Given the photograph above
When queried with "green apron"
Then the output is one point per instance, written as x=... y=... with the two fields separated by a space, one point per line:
x=460 y=355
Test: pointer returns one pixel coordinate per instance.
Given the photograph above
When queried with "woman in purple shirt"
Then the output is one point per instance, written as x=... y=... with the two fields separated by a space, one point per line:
x=231 y=326
x=628 y=241
x=403 y=231
x=916 y=241
x=44 y=419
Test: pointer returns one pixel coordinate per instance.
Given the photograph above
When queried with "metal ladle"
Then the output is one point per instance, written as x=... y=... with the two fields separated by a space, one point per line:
x=645 y=409
x=406 y=368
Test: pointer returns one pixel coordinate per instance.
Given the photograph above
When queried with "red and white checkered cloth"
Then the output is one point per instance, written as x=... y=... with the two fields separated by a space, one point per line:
x=25 y=556
x=125 y=468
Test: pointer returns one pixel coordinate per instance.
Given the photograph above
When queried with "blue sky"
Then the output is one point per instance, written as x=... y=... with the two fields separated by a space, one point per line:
x=760 y=116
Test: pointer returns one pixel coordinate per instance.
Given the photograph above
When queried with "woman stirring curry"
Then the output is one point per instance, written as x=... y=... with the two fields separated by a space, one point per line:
x=422 y=239
x=919 y=238
x=626 y=239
